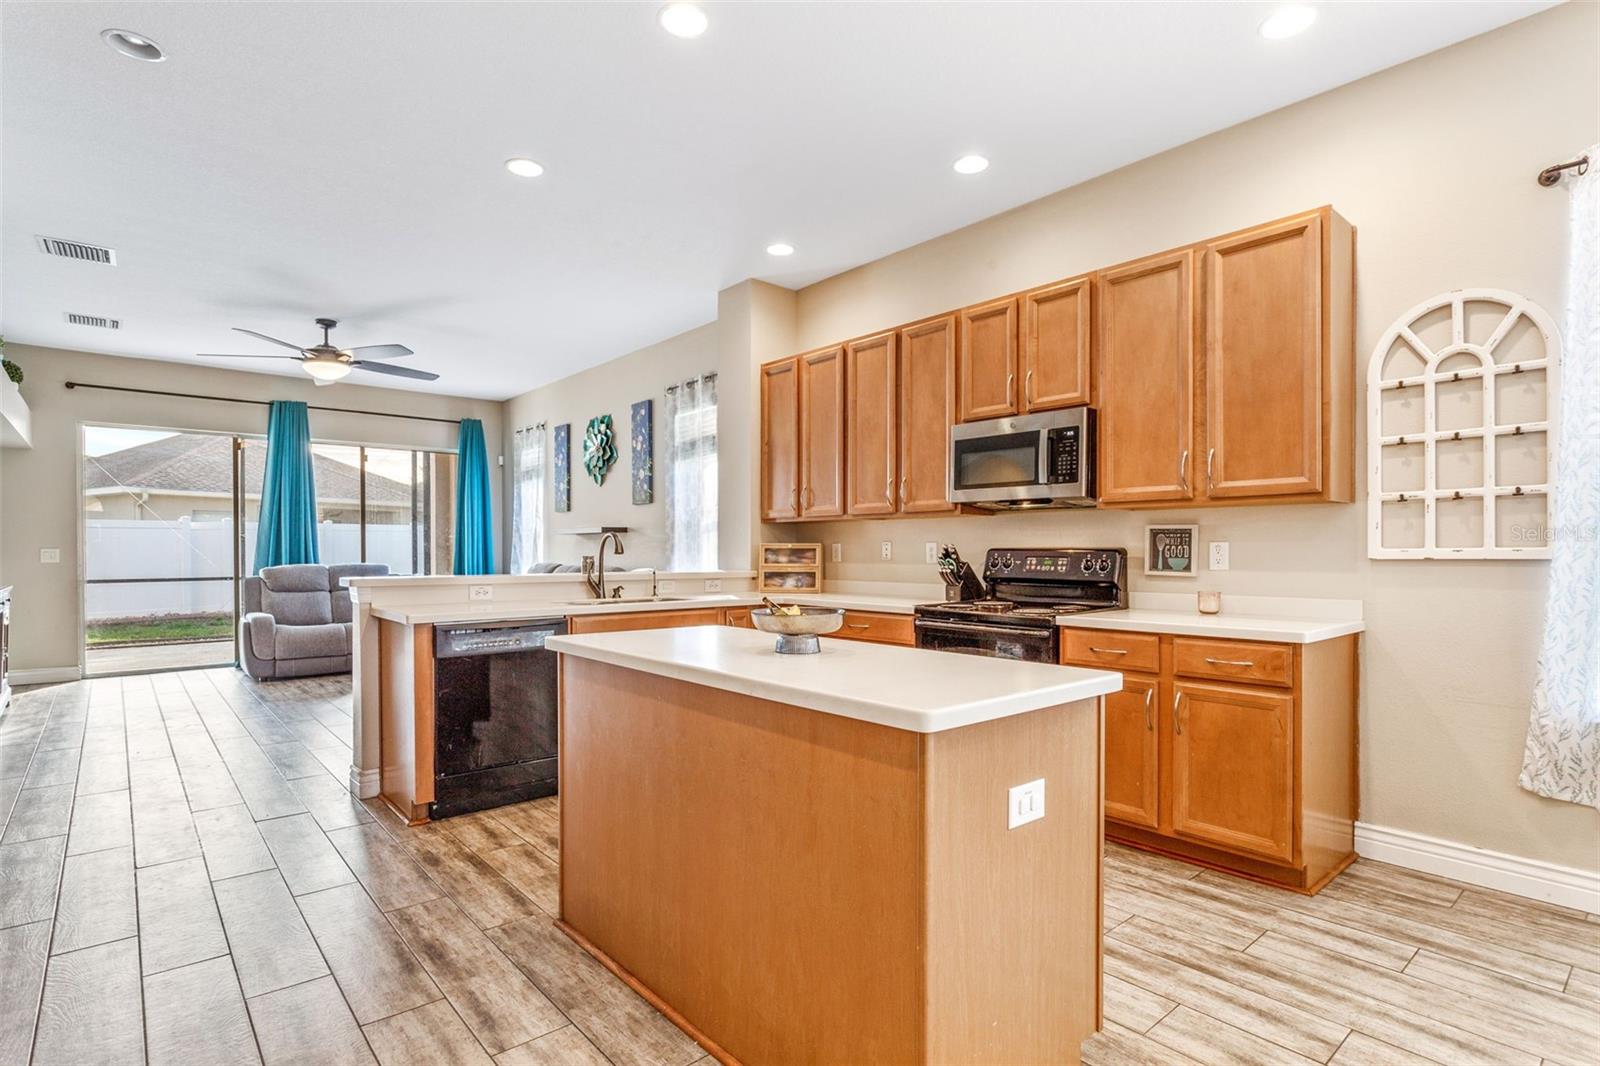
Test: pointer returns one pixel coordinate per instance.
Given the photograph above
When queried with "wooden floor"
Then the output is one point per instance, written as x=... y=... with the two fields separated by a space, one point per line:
x=185 y=879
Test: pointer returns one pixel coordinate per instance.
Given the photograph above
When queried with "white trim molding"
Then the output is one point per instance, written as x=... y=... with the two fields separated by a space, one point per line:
x=1566 y=886
x=364 y=783
x=44 y=675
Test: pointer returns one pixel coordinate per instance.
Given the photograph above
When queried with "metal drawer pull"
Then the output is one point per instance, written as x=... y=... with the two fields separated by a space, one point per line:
x=857 y=625
x=1108 y=651
x=1230 y=662
x=1177 y=723
x=1149 y=712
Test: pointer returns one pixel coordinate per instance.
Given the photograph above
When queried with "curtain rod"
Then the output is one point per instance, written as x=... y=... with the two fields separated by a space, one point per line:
x=703 y=377
x=1550 y=175
x=259 y=403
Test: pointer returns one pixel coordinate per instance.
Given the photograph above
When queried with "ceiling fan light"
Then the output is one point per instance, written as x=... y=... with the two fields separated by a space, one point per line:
x=326 y=369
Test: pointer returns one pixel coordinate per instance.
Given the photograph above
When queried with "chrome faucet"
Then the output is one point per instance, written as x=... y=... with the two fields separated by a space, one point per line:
x=594 y=572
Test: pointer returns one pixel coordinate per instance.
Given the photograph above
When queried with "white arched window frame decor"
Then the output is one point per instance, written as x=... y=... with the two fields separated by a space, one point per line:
x=1461 y=401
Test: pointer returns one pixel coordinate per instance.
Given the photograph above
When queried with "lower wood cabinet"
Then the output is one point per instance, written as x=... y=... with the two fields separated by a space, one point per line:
x=611 y=623
x=1240 y=755
x=739 y=617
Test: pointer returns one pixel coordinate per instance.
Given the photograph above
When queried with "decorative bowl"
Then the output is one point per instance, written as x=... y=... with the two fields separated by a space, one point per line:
x=797 y=633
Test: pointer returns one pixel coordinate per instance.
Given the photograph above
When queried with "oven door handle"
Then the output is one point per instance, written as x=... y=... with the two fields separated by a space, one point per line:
x=979 y=627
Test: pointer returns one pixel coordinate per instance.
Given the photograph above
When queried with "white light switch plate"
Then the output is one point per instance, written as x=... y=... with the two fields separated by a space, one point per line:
x=1219 y=555
x=1025 y=803
x=49 y=555
x=713 y=584
x=480 y=592
x=837 y=552
x=886 y=550
x=930 y=551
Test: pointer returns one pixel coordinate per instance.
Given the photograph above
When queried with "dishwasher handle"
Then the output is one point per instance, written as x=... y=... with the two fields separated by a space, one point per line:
x=456 y=642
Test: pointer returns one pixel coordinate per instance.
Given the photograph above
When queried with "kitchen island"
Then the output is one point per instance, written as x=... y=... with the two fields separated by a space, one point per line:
x=809 y=858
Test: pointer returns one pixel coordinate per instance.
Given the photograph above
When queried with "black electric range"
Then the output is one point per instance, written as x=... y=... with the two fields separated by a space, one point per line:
x=1028 y=588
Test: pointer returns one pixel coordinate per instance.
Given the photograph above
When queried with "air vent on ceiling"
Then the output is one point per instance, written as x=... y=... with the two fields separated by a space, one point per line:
x=93 y=320
x=89 y=253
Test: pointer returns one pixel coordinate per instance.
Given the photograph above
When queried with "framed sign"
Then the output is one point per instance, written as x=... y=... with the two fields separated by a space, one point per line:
x=1169 y=550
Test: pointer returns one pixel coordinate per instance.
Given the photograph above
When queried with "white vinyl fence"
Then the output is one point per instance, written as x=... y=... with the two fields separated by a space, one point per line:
x=131 y=548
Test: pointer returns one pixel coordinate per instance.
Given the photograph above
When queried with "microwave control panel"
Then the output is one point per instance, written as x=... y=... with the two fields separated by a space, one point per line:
x=1064 y=449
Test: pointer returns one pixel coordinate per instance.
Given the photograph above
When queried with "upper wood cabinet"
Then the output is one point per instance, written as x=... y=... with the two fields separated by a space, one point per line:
x=927 y=383
x=986 y=360
x=822 y=410
x=1278 y=310
x=1233 y=762
x=1146 y=367
x=871 y=417
x=780 y=440
x=1056 y=331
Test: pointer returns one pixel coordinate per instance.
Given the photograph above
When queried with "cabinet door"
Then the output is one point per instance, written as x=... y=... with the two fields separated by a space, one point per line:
x=1130 y=744
x=1145 y=363
x=871 y=411
x=987 y=360
x=822 y=433
x=1263 y=299
x=1056 y=368
x=739 y=617
x=1233 y=768
x=780 y=440
x=927 y=411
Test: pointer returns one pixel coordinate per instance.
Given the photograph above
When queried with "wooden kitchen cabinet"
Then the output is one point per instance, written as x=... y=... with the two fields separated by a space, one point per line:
x=1056 y=337
x=822 y=442
x=1240 y=755
x=1146 y=368
x=878 y=627
x=668 y=619
x=780 y=440
x=1131 y=752
x=738 y=617
x=927 y=398
x=986 y=360
x=871 y=424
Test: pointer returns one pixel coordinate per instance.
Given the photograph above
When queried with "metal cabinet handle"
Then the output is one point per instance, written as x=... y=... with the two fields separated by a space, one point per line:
x=1149 y=709
x=1010 y=379
x=794 y=500
x=857 y=625
x=811 y=497
x=902 y=489
x=1177 y=722
x=1108 y=651
x=1230 y=662
x=1027 y=386
x=1211 y=482
x=888 y=492
x=1183 y=470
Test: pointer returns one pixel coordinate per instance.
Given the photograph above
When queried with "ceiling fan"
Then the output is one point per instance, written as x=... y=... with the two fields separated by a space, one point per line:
x=327 y=363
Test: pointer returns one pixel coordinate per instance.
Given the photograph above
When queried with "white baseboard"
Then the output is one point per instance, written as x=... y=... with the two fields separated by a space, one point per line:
x=1566 y=886
x=43 y=675
x=364 y=783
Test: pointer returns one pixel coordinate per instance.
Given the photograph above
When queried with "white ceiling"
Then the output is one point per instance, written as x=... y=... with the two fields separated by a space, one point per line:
x=291 y=160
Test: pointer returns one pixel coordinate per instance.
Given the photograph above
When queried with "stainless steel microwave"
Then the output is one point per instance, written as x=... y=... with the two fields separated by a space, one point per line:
x=1044 y=460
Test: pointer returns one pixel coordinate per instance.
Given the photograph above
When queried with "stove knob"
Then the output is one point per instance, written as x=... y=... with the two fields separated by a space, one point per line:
x=1088 y=564
x=1103 y=565
x=1010 y=561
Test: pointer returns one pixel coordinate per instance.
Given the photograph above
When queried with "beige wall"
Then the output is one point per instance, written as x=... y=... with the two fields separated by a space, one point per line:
x=39 y=503
x=1434 y=162
x=611 y=388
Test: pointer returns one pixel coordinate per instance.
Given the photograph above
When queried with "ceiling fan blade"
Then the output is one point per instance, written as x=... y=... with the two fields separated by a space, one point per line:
x=380 y=351
x=236 y=355
x=397 y=371
x=270 y=340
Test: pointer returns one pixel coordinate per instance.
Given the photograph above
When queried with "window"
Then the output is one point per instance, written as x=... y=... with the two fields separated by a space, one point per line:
x=691 y=468
x=527 y=498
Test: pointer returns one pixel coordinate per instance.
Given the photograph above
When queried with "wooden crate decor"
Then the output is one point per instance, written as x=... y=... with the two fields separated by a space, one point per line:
x=563 y=467
x=789 y=568
x=642 y=421
x=1169 y=551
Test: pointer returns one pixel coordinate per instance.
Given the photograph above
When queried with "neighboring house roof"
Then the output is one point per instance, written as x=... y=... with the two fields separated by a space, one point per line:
x=195 y=463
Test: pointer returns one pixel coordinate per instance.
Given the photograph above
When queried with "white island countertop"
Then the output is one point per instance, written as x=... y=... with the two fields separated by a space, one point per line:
x=905 y=688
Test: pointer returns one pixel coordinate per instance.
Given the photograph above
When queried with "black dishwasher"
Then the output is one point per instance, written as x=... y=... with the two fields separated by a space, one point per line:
x=495 y=707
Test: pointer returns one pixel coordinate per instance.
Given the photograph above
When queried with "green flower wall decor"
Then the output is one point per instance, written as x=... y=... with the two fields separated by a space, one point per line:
x=599 y=447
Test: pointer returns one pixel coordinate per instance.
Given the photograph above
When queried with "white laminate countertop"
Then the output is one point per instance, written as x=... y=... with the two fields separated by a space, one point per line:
x=1191 y=623
x=483 y=613
x=905 y=688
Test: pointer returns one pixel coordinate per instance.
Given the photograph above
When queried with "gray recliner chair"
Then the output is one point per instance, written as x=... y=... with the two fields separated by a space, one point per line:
x=297 y=618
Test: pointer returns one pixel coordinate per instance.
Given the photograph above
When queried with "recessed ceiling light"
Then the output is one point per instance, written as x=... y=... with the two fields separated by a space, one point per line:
x=971 y=164
x=780 y=249
x=683 y=20
x=524 y=168
x=133 y=45
x=1288 y=21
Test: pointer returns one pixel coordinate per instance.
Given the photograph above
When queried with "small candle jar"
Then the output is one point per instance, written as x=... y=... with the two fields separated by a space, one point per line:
x=1209 y=602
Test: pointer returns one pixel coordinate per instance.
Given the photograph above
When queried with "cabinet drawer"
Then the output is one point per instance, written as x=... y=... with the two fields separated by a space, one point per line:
x=1113 y=650
x=1233 y=660
x=882 y=628
x=612 y=623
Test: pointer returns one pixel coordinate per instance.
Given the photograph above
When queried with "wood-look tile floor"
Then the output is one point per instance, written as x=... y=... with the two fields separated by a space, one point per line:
x=184 y=878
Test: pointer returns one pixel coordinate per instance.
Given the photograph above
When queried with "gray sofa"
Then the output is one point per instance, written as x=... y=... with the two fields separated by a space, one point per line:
x=296 y=619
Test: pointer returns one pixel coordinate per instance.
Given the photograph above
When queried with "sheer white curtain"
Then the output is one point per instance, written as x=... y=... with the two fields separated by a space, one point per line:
x=1562 y=757
x=691 y=467
x=527 y=498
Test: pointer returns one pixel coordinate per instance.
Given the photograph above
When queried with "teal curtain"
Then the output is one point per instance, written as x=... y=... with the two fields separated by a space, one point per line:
x=287 y=532
x=474 y=507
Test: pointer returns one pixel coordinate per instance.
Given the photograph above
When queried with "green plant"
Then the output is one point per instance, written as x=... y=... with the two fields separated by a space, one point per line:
x=13 y=371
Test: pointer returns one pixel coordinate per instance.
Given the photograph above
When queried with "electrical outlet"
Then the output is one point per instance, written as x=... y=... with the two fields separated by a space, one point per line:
x=49 y=555
x=666 y=586
x=713 y=584
x=836 y=552
x=1025 y=803
x=480 y=592
x=886 y=550
x=930 y=552
x=1219 y=555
